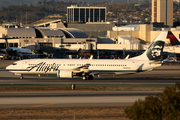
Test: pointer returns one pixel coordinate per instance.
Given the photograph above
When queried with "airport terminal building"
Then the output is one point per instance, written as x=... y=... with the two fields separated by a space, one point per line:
x=124 y=38
x=40 y=38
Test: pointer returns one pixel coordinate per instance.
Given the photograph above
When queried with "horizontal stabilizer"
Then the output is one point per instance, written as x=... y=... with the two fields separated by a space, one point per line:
x=156 y=62
x=169 y=60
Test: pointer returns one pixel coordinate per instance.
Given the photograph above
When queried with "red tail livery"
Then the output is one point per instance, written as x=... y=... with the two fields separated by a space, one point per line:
x=173 y=39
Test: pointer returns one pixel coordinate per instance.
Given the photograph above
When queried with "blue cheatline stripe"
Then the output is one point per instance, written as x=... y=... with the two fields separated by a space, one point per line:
x=17 y=69
x=113 y=70
x=90 y=70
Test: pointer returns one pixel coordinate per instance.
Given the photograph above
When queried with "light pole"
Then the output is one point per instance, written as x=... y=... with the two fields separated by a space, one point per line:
x=131 y=21
x=21 y=18
x=117 y=25
x=26 y=25
x=131 y=32
x=166 y=13
x=45 y=14
x=26 y=15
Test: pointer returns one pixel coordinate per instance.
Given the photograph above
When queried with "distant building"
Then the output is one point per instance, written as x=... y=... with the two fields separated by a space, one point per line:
x=93 y=29
x=50 y=23
x=11 y=25
x=86 y=14
x=162 y=11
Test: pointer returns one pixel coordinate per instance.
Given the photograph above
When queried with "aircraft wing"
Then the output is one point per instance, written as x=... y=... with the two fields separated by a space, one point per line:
x=84 y=68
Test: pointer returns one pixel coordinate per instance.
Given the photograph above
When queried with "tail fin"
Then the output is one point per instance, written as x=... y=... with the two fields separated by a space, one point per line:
x=7 y=45
x=154 y=51
x=173 y=39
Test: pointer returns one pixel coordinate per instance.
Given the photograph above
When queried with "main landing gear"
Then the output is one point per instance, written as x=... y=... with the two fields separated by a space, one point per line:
x=89 y=77
x=21 y=77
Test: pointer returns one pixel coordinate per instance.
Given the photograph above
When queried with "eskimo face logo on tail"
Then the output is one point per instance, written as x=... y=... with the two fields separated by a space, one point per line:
x=155 y=50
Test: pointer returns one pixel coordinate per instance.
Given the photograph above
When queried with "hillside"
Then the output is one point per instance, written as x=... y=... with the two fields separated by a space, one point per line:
x=17 y=2
x=58 y=10
x=35 y=2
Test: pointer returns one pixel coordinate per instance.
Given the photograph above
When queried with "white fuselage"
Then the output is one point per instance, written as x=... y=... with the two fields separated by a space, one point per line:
x=97 y=66
x=21 y=50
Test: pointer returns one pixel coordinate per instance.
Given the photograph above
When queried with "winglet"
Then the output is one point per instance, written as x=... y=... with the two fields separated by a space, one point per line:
x=90 y=59
x=127 y=57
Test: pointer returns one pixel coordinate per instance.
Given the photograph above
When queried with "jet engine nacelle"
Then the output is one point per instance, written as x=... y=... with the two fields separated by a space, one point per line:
x=64 y=74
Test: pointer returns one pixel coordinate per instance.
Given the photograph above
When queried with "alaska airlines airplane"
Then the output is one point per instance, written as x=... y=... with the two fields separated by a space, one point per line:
x=86 y=69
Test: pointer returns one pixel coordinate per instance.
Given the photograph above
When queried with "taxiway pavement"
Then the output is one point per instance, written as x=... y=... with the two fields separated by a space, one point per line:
x=166 y=74
x=72 y=98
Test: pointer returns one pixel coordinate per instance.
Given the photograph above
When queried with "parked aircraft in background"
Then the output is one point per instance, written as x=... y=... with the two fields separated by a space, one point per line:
x=86 y=69
x=14 y=53
x=173 y=39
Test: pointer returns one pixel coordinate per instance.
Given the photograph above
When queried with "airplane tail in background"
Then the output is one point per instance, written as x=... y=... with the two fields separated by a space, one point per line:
x=154 y=51
x=173 y=39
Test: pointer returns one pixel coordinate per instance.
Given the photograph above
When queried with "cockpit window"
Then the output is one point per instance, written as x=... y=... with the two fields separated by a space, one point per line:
x=14 y=64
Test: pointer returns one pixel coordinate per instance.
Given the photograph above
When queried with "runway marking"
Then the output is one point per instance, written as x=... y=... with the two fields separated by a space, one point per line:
x=44 y=105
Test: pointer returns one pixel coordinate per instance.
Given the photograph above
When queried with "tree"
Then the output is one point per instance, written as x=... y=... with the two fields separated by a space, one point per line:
x=1 y=21
x=51 y=2
x=158 y=107
x=44 y=2
x=80 y=3
x=39 y=3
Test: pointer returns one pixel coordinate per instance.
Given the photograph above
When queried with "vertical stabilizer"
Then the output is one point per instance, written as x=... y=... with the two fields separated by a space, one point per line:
x=154 y=51
x=173 y=39
x=7 y=45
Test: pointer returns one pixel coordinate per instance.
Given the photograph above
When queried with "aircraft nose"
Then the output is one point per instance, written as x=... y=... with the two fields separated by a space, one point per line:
x=8 y=67
x=8 y=50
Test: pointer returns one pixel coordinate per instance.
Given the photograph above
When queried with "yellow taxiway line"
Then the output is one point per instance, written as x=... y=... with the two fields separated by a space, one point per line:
x=44 y=105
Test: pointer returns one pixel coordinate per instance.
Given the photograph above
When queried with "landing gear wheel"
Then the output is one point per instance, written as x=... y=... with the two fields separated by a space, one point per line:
x=72 y=86
x=84 y=78
x=90 y=77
